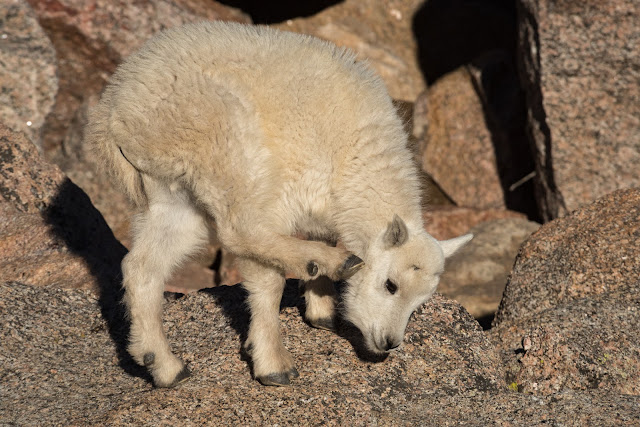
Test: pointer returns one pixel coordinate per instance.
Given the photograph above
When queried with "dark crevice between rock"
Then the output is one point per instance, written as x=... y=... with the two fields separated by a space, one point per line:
x=495 y=80
x=452 y=33
x=79 y=225
x=272 y=12
x=550 y=201
x=486 y=321
x=483 y=36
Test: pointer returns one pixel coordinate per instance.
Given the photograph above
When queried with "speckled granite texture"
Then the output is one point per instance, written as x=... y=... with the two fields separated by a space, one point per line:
x=589 y=254
x=62 y=362
x=28 y=80
x=580 y=67
x=569 y=317
x=50 y=233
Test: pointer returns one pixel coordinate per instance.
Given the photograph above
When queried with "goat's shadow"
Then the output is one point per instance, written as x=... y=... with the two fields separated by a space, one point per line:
x=74 y=221
x=233 y=302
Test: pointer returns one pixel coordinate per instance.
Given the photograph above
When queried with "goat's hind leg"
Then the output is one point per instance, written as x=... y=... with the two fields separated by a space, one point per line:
x=163 y=236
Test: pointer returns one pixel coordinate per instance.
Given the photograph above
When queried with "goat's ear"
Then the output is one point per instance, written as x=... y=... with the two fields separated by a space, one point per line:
x=396 y=233
x=451 y=246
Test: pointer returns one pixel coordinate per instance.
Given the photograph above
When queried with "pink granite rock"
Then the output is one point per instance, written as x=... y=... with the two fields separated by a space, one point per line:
x=28 y=81
x=587 y=254
x=50 y=233
x=570 y=314
x=379 y=32
x=446 y=222
x=456 y=145
x=63 y=361
x=579 y=67
x=476 y=275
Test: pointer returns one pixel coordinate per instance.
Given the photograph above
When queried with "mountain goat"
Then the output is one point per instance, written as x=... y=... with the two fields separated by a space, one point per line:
x=270 y=134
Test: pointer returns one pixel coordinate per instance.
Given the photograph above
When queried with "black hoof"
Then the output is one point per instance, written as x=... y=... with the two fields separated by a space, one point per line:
x=148 y=359
x=326 y=323
x=279 y=379
x=350 y=266
x=182 y=376
x=312 y=269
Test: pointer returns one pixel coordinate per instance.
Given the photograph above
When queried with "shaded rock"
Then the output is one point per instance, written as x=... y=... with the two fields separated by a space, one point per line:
x=379 y=32
x=89 y=45
x=569 y=315
x=456 y=145
x=580 y=67
x=495 y=78
x=453 y=33
x=50 y=234
x=30 y=253
x=588 y=254
x=28 y=81
x=477 y=274
x=446 y=222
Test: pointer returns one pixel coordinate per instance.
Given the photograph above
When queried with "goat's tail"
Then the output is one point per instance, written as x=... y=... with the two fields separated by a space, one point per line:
x=109 y=157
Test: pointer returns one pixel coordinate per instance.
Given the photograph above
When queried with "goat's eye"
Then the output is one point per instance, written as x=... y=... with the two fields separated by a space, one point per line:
x=391 y=287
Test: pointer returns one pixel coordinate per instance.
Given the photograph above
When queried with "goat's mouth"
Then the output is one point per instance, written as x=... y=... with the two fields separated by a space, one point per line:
x=382 y=344
x=375 y=343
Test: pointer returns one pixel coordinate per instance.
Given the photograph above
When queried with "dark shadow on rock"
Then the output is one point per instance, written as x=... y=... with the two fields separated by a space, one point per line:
x=82 y=229
x=273 y=12
x=233 y=302
x=550 y=200
x=486 y=321
x=452 y=33
x=483 y=35
x=495 y=78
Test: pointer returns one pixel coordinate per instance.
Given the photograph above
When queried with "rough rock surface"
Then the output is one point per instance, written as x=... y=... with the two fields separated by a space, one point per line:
x=581 y=72
x=590 y=253
x=50 y=233
x=476 y=275
x=456 y=145
x=378 y=31
x=92 y=37
x=588 y=343
x=444 y=352
x=79 y=373
x=569 y=318
x=28 y=81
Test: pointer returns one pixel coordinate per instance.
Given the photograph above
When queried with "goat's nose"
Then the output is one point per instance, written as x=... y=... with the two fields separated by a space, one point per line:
x=391 y=344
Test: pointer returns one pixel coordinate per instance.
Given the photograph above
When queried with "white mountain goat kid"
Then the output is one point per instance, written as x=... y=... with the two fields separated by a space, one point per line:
x=270 y=134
